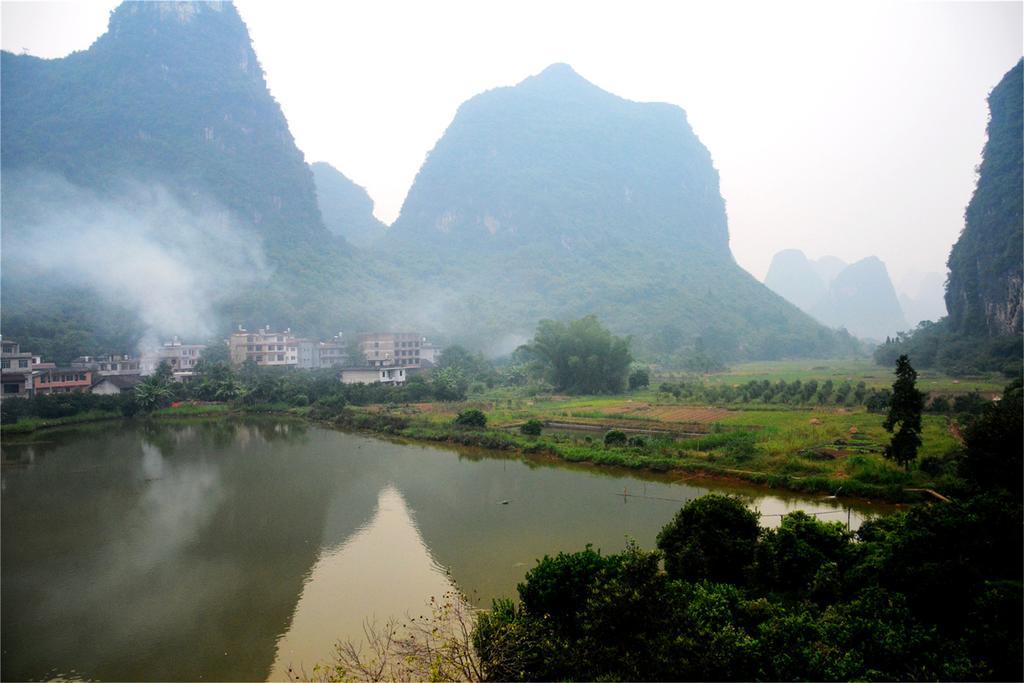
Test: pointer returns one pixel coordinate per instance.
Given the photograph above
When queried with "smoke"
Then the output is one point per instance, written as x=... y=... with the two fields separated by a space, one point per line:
x=170 y=261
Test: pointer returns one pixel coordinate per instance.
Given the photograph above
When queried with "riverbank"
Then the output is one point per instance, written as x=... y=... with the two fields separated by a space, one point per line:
x=752 y=454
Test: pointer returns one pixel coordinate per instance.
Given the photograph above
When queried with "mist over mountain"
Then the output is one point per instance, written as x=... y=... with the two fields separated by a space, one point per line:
x=172 y=95
x=828 y=267
x=554 y=198
x=166 y=114
x=346 y=208
x=862 y=299
x=796 y=278
x=859 y=297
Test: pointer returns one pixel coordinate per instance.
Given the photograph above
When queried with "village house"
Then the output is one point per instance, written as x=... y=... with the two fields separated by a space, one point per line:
x=382 y=349
x=181 y=358
x=381 y=375
x=109 y=365
x=265 y=347
x=61 y=381
x=17 y=369
x=109 y=385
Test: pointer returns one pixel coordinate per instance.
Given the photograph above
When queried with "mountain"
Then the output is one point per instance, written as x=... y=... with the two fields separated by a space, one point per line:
x=172 y=94
x=554 y=198
x=794 y=277
x=983 y=293
x=983 y=331
x=859 y=297
x=151 y=187
x=862 y=299
x=161 y=154
x=346 y=208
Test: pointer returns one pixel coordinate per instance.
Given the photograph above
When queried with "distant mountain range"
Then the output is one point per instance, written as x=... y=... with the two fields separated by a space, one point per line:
x=552 y=198
x=858 y=297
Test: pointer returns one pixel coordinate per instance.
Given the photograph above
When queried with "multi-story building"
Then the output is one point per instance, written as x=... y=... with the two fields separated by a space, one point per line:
x=17 y=369
x=109 y=365
x=182 y=359
x=265 y=347
x=429 y=354
x=61 y=381
x=381 y=349
x=333 y=353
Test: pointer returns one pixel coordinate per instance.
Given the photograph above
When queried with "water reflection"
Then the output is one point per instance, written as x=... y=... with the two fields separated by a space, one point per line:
x=229 y=550
x=384 y=570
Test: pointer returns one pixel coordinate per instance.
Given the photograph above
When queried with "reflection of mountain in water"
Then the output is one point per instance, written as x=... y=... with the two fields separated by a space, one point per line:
x=229 y=550
x=161 y=557
x=384 y=570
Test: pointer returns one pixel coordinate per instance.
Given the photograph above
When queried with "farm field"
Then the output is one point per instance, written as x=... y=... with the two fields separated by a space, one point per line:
x=809 y=447
x=865 y=370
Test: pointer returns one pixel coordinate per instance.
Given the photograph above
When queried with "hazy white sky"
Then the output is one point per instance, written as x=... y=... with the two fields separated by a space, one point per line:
x=838 y=128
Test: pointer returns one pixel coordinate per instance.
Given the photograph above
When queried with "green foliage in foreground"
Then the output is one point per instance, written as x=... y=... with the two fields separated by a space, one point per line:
x=931 y=593
x=921 y=595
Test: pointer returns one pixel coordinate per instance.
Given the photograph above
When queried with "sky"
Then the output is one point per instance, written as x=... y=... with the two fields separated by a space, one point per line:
x=843 y=128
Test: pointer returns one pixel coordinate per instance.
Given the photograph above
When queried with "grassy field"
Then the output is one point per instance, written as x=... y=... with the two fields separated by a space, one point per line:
x=874 y=376
x=825 y=448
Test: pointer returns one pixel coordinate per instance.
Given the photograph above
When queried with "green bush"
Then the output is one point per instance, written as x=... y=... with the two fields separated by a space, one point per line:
x=531 y=428
x=471 y=418
x=615 y=437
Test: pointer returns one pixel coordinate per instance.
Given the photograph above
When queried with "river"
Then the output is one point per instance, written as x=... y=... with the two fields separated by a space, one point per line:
x=233 y=549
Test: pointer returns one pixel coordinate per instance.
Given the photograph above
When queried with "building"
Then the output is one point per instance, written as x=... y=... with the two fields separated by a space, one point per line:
x=382 y=349
x=18 y=368
x=13 y=358
x=382 y=375
x=61 y=381
x=333 y=353
x=264 y=347
x=109 y=365
x=181 y=358
x=115 y=384
x=429 y=354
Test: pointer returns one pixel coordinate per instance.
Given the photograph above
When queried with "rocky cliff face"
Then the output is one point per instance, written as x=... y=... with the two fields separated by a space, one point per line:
x=983 y=293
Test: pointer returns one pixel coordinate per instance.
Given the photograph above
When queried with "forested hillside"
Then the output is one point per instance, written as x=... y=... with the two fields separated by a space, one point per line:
x=554 y=198
x=161 y=138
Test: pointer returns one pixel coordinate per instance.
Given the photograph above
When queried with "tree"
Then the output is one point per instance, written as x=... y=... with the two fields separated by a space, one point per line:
x=713 y=537
x=905 y=414
x=582 y=356
x=153 y=393
x=639 y=378
x=995 y=442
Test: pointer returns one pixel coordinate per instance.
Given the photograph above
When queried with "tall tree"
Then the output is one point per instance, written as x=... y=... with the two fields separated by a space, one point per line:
x=582 y=356
x=905 y=414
